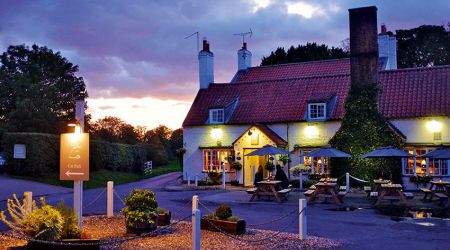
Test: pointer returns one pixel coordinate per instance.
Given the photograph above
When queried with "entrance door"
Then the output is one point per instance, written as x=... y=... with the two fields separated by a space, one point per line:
x=249 y=163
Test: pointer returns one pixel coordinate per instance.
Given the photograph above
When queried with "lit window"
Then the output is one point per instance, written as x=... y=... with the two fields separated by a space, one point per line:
x=214 y=158
x=317 y=111
x=216 y=116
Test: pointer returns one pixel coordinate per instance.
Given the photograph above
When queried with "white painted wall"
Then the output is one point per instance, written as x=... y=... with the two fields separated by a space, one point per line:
x=417 y=132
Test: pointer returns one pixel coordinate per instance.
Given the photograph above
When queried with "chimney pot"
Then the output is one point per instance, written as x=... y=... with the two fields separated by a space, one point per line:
x=205 y=45
x=244 y=45
x=383 y=29
x=206 y=66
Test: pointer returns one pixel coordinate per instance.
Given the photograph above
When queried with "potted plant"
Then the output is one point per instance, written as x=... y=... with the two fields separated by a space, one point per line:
x=164 y=216
x=224 y=220
x=47 y=224
x=236 y=166
x=140 y=212
x=269 y=167
x=284 y=158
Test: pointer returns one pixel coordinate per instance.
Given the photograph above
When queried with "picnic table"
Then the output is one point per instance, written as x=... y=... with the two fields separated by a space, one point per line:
x=326 y=190
x=390 y=192
x=268 y=188
x=377 y=184
x=439 y=188
x=328 y=179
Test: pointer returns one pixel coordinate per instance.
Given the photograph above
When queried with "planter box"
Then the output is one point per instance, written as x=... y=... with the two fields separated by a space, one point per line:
x=94 y=245
x=230 y=227
x=164 y=219
x=143 y=227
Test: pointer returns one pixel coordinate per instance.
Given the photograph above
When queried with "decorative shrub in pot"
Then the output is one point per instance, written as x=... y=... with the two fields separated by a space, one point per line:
x=47 y=225
x=269 y=167
x=223 y=220
x=164 y=217
x=140 y=212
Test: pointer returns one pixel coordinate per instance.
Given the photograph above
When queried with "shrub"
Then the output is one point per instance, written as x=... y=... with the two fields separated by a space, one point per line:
x=70 y=228
x=141 y=206
x=214 y=176
x=300 y=168
x=308 y=183
x=161 y=210
x=233 y=218
x=236 y=166
x=211 y=216
x=269 y=166
x=223 y=212
x=315 y=177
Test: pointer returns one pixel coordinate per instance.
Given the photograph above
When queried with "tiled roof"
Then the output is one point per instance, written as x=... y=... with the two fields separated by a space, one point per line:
x=406 y=93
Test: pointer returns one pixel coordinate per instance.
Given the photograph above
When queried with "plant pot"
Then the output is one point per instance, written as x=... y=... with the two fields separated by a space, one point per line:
x=164 y=219
x=142 y=227
x=94 y=244
x=230 y=227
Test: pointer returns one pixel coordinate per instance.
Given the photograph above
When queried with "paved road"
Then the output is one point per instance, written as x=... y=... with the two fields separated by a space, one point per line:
x=360 y=229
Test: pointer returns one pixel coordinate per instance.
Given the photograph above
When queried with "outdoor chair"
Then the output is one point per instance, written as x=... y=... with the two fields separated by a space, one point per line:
x=309 y=193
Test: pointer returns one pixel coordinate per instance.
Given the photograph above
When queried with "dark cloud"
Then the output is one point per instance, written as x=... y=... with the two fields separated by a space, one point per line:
x=136 y=48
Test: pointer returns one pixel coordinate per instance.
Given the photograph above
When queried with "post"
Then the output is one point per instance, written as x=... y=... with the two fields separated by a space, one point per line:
x=110 y=199
x=195 y=223
x=347 y=182
x=28 y=201
x=189 y=180
x=254 y=173
x=302 y=225
x=78 y=185
x=196 y=180
x=223 y=177
x=301 y=181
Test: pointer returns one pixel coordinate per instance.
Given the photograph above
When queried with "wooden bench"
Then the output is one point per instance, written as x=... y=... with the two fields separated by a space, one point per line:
x=442 y=198
x=408 y=195
x=313 y=187
x=373 y=195
x=342 y=188
x=309 y=193
x=367 y=189
x=284 y=193
x=251 y=190
x=426 y=191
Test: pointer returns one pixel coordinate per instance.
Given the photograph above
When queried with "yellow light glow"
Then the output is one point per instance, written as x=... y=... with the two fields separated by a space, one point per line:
x=311 y=131
x=77 y=129
x=434 y=126
x=216 y=133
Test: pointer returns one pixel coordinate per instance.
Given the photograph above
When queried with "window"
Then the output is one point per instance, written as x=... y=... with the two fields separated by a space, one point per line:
x=315 y=163
x=216 y=116
x=214 y=158
x=317 y=111
x=419 y=167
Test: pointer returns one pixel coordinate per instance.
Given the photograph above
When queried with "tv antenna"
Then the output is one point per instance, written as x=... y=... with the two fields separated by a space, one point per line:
x=244 y=34
x=191 y=35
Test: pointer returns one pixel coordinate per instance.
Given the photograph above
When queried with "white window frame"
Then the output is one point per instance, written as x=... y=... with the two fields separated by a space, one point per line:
x=324 y=105
x=217 y=121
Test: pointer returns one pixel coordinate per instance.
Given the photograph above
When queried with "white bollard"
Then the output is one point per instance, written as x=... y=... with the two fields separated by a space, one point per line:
x=189 y=180
x=28 y=201
x=194 y=202
x=347 y=182
x=78 y=201
x=302 y=226
x=301 y=182
x=196 y=180
x=223 y=176
x=110 y=199
x=196 y=229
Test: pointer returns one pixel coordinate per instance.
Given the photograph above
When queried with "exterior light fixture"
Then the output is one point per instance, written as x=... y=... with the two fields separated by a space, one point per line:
x=434 y=126
x=311 y=131
x=216 y=133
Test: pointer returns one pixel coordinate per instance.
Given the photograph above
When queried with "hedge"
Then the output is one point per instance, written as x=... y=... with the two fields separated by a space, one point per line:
x=42 y=154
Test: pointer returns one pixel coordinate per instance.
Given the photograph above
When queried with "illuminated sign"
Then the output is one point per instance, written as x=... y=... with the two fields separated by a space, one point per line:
x=74 y=157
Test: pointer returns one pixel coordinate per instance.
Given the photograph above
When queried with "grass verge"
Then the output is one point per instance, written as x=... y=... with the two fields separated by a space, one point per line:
x=99 y=178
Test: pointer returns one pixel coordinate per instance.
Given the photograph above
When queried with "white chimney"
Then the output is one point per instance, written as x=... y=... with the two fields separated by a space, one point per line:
x=387 y=48
x=205 y=66
x=244 y=58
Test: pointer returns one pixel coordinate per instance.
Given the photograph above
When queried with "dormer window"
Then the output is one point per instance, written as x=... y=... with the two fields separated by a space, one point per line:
x=216 y=116
x=317 y=111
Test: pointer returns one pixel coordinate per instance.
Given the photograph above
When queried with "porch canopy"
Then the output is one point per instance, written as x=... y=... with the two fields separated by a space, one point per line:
x=440 y=154
x=269 y=150
x=387 y=152
x=327 y=152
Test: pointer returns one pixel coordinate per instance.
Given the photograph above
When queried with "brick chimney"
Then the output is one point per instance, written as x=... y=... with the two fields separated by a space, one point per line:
x=205 y=66
x=244 y=57
x=363 y=46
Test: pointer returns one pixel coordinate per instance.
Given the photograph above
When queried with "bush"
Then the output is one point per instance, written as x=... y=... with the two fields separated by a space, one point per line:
x=141 y=206
x=43 y=155
x=269 y=166
x=300 y=168
x=315 y=177
x=308 y=183
x=223 y=212
x=214 y=177
x=70 y=228
x=44 y=223
x=236 y=166
x=161 y=210
x=233 y=218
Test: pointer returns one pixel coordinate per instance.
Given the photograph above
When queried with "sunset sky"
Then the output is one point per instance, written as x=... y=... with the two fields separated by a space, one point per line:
x=137 y=64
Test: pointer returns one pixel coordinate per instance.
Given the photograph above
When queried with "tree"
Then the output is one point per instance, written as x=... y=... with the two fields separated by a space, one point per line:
x=304 y=53
x=427 y=45
x=176 y=140
x=37 y=89
x=113 y=129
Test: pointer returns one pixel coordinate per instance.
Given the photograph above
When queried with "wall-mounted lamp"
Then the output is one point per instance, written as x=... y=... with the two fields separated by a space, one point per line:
x=216 y=133
x=311 y=131
x=434 y=126
x=423 y=163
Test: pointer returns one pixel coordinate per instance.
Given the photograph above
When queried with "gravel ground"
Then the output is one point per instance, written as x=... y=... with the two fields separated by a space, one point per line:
x=179 y=237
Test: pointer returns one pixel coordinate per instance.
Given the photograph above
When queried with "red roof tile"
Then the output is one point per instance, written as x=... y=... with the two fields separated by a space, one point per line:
x=406 y=93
